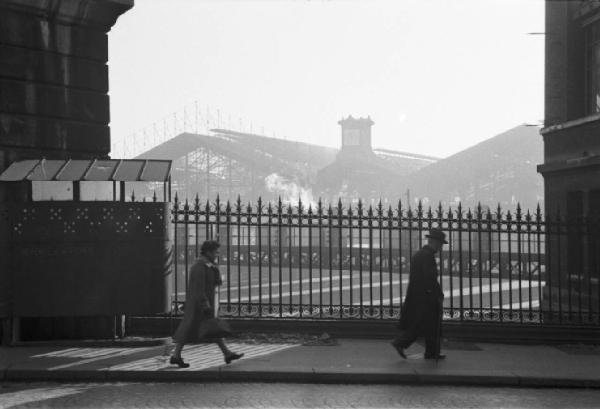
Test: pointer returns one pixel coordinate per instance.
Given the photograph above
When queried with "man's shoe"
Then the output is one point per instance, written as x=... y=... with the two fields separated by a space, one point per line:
x=232 y=357
x=399 y=349
x=179 y=362
x=436 y=357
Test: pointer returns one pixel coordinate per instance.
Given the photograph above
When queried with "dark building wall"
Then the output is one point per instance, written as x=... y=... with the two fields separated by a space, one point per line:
x=53 y=92
x=54 y=78
x=572 y=125
x=565 y=71
x=571 y=163
x=571 y=167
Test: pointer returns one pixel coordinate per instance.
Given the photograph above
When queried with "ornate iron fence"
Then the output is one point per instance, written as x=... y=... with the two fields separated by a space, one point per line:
x=316 y=261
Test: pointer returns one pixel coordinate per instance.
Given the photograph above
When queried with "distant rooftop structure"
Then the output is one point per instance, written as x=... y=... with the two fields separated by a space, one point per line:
x=356 y=135
x=232 y=163
x=359 y=171
x=500 y=170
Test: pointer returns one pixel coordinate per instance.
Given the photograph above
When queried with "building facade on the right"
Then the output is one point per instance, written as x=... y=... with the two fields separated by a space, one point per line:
x=571 y=133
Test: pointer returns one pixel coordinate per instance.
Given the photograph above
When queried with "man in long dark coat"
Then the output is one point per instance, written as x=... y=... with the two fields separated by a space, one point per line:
x=200 y=303
x=422 y=311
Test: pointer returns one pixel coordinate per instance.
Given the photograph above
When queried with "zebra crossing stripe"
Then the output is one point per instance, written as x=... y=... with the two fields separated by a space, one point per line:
x=98 y=354
x=202 y=356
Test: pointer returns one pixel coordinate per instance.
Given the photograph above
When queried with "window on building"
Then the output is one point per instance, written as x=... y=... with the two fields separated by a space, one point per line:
x=574 y=233
x=52 y=190
x=592 y=48
x=351 y=137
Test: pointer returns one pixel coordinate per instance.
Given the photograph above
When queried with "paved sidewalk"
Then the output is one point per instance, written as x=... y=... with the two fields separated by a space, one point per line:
x=289 y=360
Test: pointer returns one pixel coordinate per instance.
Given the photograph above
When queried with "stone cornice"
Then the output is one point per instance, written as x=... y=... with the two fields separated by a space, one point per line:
x=569 y=164
x=101 y=14
x=571 y=124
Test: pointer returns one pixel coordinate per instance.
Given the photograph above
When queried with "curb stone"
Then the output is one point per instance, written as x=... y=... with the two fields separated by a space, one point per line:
x=537 y=382
x=21 y=375
x=461 y=379
x=24 y=375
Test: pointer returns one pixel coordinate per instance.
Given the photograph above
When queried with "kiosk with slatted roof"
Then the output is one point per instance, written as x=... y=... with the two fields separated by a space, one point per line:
x=84 y=247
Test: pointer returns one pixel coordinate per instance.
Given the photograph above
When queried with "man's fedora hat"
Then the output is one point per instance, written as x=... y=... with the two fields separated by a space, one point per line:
x=438 y=235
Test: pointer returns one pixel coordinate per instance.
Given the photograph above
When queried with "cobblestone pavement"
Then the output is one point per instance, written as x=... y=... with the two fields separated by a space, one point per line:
x=196 y=395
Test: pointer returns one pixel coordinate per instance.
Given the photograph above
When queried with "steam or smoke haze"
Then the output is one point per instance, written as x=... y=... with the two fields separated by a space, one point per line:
x=289 y=191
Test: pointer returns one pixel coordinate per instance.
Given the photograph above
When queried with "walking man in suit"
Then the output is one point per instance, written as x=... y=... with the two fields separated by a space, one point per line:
x=422 y=311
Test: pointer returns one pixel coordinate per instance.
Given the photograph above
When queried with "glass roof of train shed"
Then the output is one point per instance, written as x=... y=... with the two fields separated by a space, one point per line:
x=101 y=170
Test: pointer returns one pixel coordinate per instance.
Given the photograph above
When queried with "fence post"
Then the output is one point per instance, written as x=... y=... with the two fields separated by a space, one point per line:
x=280 y=254
x=340 y=222
x=380 y=228
x=470 y=260
x=390 y=223
x=186 y=218
x=259 y=251
x=350 y=244
x=499 y=228
x=320 y=227
x=197 y=223
x=249 y=247
x=175 y=214
x=400 y=253
x=310 y=260
x=538 y=229
x=370 y=222
x=300 y=221
x=228 y=227
x=270 y=249
x=479 y=262
x=238 y=208
x=440 y=221
x=360 y=258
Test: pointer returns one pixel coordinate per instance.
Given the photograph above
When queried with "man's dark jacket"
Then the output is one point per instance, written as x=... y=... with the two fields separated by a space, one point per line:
x=421 y=310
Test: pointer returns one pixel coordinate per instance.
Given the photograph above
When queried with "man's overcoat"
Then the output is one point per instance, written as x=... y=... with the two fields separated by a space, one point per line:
x=422 y=306
x=199 y=300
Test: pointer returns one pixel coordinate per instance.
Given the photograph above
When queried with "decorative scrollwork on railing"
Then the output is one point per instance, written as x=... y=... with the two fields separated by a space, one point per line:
x=532 y=317
x=371 y=312
x=228 y=310
x=510 y=316
x=491 y=315
x=349 y=311
x=308 y=311
x=366 y=312
x=471 y=315
x=248 y=310
x=451 y=314
x=387 y=313
x=390 y=313
x=269 y=311
x=290 y=311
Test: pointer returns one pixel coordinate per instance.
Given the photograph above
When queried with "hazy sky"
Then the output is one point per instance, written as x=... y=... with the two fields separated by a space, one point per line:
x=436 y=76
